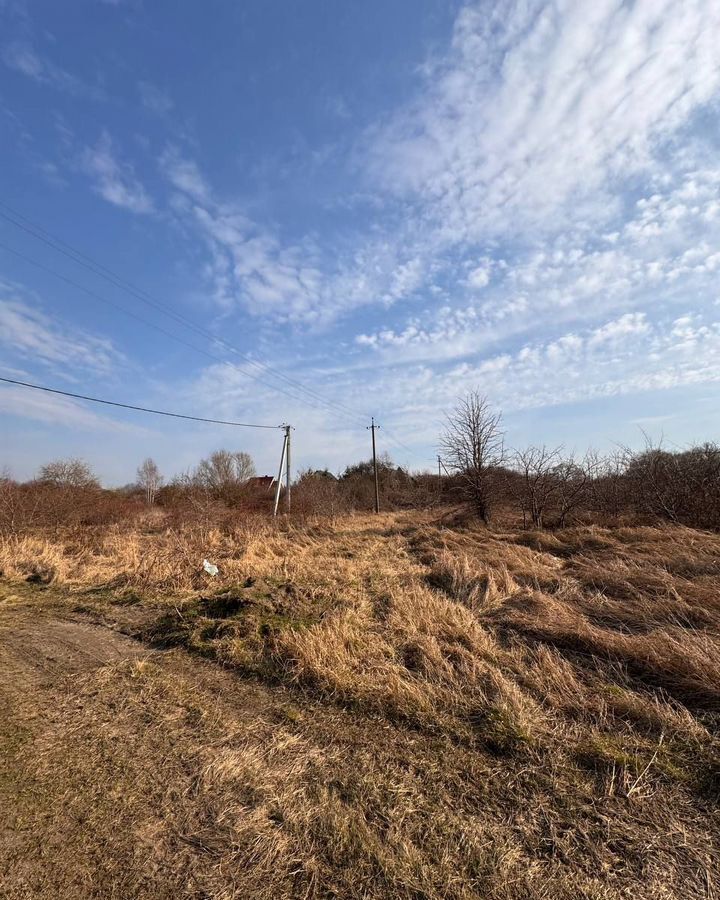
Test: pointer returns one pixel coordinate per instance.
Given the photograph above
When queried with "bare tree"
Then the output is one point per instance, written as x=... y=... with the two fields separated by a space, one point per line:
x=655 y=479
x=538 y=484
x=703 y=465
x=149 y=479
x=473 y=448
x=224 y=470
x=11 y=506
x=68 y=473
x=608 y=484
x=681 y=486
x=572 y=487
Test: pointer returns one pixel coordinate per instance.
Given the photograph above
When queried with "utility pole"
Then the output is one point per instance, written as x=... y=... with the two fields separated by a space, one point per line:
x=372 y=428
x=278 y=483
x=439 y=477
x=287 y=470
x=284 y=464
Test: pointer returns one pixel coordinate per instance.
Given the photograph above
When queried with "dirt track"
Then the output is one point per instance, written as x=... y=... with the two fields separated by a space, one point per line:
x=102 y=743
x=110 y=753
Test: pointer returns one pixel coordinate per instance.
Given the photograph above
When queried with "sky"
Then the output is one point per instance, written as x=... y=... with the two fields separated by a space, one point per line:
x=314 y=213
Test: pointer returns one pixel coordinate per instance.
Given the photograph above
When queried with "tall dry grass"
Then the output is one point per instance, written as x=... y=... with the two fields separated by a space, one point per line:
x=145 y=557
x=444 y=627
x=551 y=699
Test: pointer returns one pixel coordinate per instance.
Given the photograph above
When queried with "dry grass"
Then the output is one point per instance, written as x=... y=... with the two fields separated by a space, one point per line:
x=471 y=713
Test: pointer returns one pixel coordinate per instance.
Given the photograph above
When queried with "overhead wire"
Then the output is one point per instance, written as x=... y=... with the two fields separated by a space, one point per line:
x=97 y=268
x=145 y=409
x=397 y=441
x=152 y=325
x=77 y=256
x=311 y=398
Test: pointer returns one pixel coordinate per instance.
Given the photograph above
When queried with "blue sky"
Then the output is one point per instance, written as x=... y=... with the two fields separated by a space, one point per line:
x=387 y=203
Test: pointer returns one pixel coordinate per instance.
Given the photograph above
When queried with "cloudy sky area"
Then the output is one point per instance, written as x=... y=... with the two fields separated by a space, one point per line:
x=387 y=204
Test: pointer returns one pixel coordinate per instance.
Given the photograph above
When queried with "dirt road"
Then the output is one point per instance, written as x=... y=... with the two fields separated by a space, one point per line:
x=129 y=772
x=105 y=746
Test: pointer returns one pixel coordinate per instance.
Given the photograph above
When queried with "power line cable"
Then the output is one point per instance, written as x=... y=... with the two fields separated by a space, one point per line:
x=87 y=262
x=155 y=412
x=92 y=265
x=103 y=271
x=397 y=441
x=149 y=324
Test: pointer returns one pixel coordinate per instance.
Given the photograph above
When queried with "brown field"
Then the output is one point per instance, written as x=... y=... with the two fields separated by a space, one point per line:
x=408 y=705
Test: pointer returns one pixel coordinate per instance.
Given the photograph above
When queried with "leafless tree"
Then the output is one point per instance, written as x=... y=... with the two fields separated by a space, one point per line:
x=149 y=479
x=572 y=485
x=607 y=485
x=224 y=470
x=680 y=486
x=68 y=473
x=538 y=485
x=655 y=480
x=14 y=513
x=703 y=466
x=473 y=448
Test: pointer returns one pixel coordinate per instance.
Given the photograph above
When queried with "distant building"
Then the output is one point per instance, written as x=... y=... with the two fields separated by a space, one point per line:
x=261 y=482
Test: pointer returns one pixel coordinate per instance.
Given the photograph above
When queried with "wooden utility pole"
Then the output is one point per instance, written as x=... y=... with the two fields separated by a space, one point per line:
x=439 y=477
x=372 y=428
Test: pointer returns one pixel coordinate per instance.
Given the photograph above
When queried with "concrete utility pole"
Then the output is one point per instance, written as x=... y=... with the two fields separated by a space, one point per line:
x=372 y=428
x=287 y=470
x=278 y=482
x=284 y=463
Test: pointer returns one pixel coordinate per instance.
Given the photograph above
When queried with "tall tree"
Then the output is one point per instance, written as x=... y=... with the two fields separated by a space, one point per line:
x=149 y=479
x=473 y=449
x=224 y=469
x=72 y=473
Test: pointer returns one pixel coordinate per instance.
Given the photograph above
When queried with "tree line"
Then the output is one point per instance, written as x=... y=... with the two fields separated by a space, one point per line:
x=548 y=486
x=536 y=486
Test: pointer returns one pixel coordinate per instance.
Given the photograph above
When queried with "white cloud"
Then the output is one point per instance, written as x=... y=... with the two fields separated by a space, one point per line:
x=184 y=175
x=539 y=103
x=251 y=267
x=622 y=356
x=619 y=357
x=115 y=181
x=631 y=325
x=22 y=57
x=664 y=252
x=154 y=98
x=479 y=277
x=248 y=266
x=29 y=333
x=57 y=410
x=528 y=128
